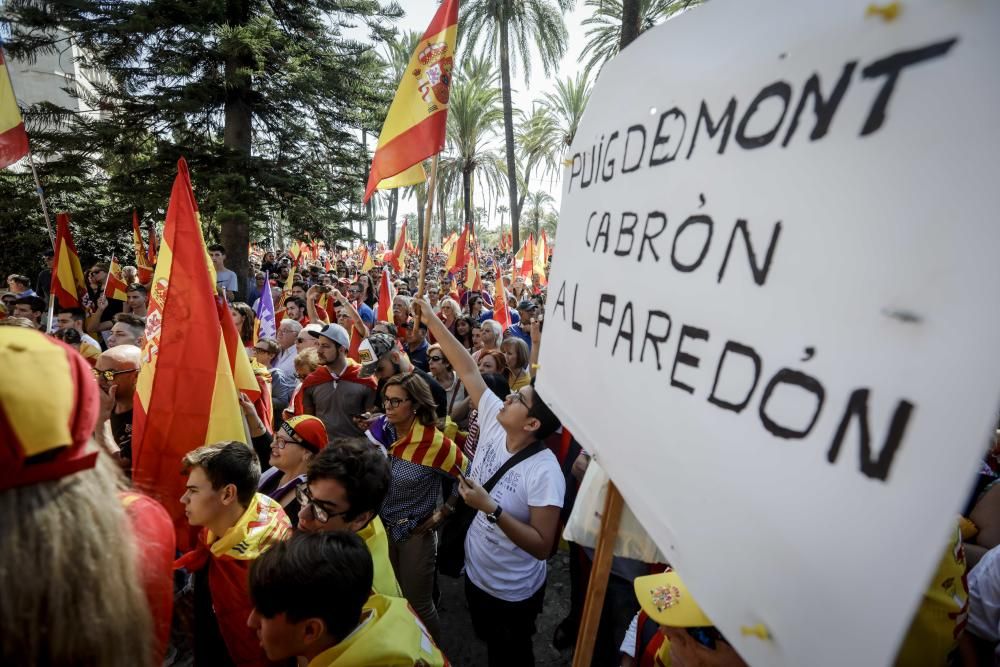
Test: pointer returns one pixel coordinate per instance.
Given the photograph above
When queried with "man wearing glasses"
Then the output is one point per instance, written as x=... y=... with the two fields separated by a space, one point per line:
x=345 y=486
x=116 y=371
x=102 y=310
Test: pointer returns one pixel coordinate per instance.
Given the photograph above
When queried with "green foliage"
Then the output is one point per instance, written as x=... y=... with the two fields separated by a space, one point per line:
x=265 y=100
x=604 y=26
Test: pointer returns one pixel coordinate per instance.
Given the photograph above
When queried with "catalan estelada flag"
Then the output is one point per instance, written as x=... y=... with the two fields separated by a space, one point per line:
x=427 y=446
x=13 y=138
x=415 y=125
x=185 y=393
x=115 y=286
x=68 y=284
x=142 y=263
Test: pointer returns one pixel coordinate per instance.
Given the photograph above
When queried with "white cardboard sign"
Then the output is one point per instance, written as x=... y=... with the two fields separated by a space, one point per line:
x=778 y=271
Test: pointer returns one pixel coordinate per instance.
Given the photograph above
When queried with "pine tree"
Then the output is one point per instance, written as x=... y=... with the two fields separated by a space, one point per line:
x=264 y=98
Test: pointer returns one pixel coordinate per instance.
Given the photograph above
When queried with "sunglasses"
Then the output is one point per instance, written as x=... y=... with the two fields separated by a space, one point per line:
x=435 y=358
x=109 y=376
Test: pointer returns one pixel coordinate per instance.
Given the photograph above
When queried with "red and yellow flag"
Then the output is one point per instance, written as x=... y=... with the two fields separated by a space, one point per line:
x=153 y=245
x=429 y=447
x=458 y=254
x=366 y=260
x=115 y=286
x=414 y=128
x=541 y=259
x=501 y=313
x=68 y=284
x=399 y=251
x=386 y=293
x=13 y=138
x=527 y=257
x=185 y=393
x=145 y=269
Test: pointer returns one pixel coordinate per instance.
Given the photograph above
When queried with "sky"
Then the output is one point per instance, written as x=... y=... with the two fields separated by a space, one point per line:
x=418 y=16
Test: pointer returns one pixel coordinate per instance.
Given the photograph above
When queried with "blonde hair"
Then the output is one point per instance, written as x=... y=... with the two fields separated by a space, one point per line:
x=307 y=360
x=452 y=305
x=70 y=580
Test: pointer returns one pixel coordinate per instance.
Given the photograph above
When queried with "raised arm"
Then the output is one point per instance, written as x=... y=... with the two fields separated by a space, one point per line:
x=359 y=323
x=461 y=360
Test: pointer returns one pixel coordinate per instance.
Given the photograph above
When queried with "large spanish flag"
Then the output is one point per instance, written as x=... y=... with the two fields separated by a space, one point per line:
x=186 y=396
x=13 y=138
x=414 y=127
x=68 y=285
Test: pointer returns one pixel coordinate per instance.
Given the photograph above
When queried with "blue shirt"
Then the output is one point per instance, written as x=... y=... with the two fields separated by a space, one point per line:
x=517 y=331
x=366 y=313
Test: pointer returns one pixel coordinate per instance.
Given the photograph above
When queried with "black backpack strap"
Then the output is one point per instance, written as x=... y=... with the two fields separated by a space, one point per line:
x=525 y=453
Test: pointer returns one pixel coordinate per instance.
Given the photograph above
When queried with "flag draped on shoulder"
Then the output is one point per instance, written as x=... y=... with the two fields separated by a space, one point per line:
x=185 y=393
x=13 y=137
x=427 y=446
x=414 y=128
x=68 y=284
x=115 y=287
x=142 y=263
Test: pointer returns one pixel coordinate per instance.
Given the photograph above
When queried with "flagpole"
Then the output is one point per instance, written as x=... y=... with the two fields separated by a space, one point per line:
x=427 y=225
x=41 y=198
x=104 y=291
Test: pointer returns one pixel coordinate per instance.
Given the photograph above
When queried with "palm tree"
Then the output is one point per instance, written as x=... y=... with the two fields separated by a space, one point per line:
x=537 y=139
x=474 y=112
x=538 y=202
x=566 y=106
x=515 y=27
x=605 y=26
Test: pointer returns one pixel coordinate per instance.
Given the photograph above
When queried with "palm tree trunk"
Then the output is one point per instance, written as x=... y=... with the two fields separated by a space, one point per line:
x=508 y=125
x=631 y=15
x=467 y=194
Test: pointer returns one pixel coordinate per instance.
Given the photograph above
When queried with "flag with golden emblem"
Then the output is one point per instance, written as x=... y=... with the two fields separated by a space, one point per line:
x=414 y=128
x=185 y=393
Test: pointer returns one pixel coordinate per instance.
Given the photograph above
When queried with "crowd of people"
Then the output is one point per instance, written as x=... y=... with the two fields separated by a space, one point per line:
x=392 y=451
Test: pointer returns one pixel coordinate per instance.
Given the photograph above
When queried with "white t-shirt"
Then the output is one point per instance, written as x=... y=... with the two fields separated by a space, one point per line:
x=984 y=598
x=492 y=561
x=227 y=280
x=628 y=643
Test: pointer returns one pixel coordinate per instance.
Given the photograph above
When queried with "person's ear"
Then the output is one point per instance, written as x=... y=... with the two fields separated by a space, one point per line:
x=360 y=521
x=229 y=495
x=313 y=630
x=532 y=424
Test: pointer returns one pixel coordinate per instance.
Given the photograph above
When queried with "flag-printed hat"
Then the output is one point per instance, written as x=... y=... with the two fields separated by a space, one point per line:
x=666 y=600
x=372 y=349
x=48 y=408
x=307 y=431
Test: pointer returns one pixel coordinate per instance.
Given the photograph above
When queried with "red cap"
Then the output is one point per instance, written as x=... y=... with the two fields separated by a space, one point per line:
x=310 y=430
x=48 y=409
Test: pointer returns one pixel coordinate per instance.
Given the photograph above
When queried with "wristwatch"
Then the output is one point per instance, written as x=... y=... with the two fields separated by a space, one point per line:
x=494 y=516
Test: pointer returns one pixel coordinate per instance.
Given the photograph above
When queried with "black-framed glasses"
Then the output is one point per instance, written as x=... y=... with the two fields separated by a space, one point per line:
x=393 y=402
x=706 y=636
x=109 y=376
x=519 y=398
x=305 y=499
x=281 y=443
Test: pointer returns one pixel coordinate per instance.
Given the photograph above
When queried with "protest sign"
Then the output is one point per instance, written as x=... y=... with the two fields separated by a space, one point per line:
x=777 y=265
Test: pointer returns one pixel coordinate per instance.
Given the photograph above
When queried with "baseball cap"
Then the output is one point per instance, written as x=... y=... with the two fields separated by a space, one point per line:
x=372 y=349
x=666 y=600
x=526 y=305
x=334 y=332
x=307 y=431
x=48 y=409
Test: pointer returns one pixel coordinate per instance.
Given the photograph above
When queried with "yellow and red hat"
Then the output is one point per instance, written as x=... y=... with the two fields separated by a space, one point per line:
x=48 y=409
x=666 y=600
x=307 y=431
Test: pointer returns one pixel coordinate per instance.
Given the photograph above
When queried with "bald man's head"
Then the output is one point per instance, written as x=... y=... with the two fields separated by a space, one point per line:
x=119 y=366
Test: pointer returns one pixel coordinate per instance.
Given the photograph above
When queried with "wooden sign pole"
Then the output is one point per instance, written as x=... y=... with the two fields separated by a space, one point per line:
x=600 y=571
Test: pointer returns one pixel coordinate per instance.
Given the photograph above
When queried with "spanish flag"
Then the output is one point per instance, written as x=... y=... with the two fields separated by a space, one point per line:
x=386 y=293
x=429 y=447
x=501 y=313
x=541 y=259
x=142 y=263
x=458 y=255
x=366 y=260
x=115 y=286
x=414 y=128
x=13 y=138
x=186 y=396
x=399 y=251
x=68 y=285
